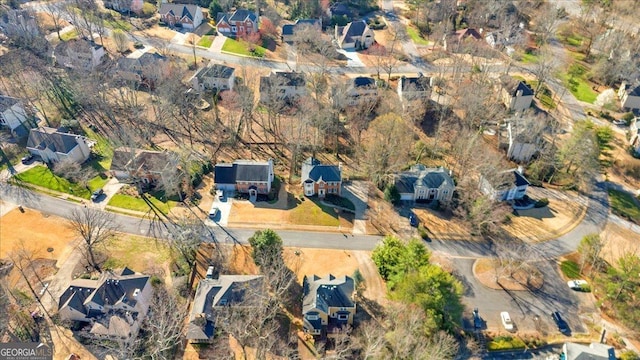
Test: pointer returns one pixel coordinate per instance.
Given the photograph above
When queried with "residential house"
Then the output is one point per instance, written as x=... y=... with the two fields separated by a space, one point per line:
x=53 y=146
x=79 y=54
x=454 y=40
x=214 y=77
x=113 y=306
x=327 y=305
x=245 y=176
x=319 y=179
x=414 y=88
x=506 y=186
x=593 y=351
x=516 y=94
x=521 y=147
x=238 y=24
x=284 y=86
x=124 y=6
x=634 y=138
x=629 y=96
x=144 y=70
x=289 y=30
x=14 y=116
x=362 y=90
x=216 y=293
x=147 y=166
x=181 y=15
x=356 y=35
x=422 y=184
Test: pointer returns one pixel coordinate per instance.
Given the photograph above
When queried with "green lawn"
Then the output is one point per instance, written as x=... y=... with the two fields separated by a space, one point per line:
x=580 y=88
x=529 y=58
x=414 y=34
x=505 y=343
x=205 y=41
x=138 y=253
x=570 y=269
x=102 y=150
x=41 y=176
x=97 y=182
x=242 y=48
x=311 y=212
x=138 y=204
x=544 y=95
x=69 y=35
x=623 y=204
x=119 y=24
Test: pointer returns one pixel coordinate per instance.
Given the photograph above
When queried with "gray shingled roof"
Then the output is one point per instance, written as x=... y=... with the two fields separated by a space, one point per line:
x=46 y=137
x=127 y=159
x=362 y=81
x=251 y=171
x=216 y=71
x=314 y=170
x=282 y=78
x=420 y=83
x=330 y=291
x=431 y=178
x=180 y=10
x=238 y=15
x=513 y=86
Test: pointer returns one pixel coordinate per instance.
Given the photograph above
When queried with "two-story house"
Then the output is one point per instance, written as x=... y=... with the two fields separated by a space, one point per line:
x=237 y=24
x=362 y=90
x=214 y=77
x=327 y=305
x=506 y=186
x=414 y=88
x=145 y=70
x=79 y=54
x=356 y=35
x=245 y=176
x=282 y=86
x=422 y=184
x=319 y=179
x=113 y=306
x=146 y=166
x=629 y=96
x=182 y=15
x=53 y=146
x=14 y=116
x=516 y=94
x=213 y=294
x=289 y=30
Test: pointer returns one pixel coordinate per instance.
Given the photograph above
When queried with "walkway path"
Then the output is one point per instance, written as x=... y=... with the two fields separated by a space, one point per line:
x=217 y=44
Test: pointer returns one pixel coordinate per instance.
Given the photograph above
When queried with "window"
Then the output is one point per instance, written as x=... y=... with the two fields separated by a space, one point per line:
x=312 y=317
x=233 y=28
x=343 y=317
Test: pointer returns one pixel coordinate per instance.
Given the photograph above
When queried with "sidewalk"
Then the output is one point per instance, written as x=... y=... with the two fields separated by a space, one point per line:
x=217 y=44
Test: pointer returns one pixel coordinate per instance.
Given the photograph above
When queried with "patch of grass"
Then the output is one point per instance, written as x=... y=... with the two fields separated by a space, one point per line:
x=69 y=35
x=529 y=58
x=98 y=182
x=574 y=40
x=570 y=269
x=505 y=343
x=242 y=48
x=41 y=176
x=579 y=87
x=414 y=34
x=623 y=204
x=119 y=24
x=138 y=253
x=138 y=204
x=340 y=201
x=102 y=151
x=205 y=41
x=544 y=95
x=312 y=212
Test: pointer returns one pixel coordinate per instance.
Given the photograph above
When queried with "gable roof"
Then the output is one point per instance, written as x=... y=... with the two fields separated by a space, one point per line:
x=512 y=86
x=330 y=291
x=6 y=102
x=224 y=174
x=419 y=175
x=180 y=10
x=128 y=159
x=282 y=78
x=76 y=45
x=468 y=32
x=46 y=137
x=215 y=71
x=634 y=90
x=289 y=29
x=594 y=351
x=339 y=9
x=419 y=83
x=251 y=170
x=238 y=15
x=312 y=169
x=362 y=81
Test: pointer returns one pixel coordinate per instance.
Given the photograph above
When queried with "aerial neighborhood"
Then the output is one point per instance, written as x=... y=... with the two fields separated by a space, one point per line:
x=319 y=179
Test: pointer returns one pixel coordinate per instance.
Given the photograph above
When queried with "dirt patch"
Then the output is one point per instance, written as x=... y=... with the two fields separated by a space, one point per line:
x=521 y=280
x=618 y=242
x=443 y=227
x=159 y=32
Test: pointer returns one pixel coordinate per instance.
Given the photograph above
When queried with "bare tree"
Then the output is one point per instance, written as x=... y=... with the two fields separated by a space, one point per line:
x=121 y=40
x=95 y=227
x=163 y=324
x=56 y=11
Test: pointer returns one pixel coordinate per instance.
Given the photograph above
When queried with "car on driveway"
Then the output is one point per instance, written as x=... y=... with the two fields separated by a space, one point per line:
x=560 y=323
x=96 y=194
x=413 y=220
x=219 y=194
x=578 y=285
x=477 y=320
x=213 y=212
x=506 y=321
x=27 y=159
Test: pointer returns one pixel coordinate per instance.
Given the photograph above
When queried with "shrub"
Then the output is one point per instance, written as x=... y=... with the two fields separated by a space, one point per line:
x=423 y=232
x=392 y=194
x=148 y=10
x=629 y=355
x=542 y=203
x=155 y=280
x=505 y=343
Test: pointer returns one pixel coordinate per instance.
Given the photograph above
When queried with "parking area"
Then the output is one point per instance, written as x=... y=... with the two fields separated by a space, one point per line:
x=224 y=208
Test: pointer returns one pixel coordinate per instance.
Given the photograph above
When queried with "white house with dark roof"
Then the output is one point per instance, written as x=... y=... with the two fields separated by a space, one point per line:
x=355 y=35
x=113 y=306
x=237 y=24
x=327 y=304
x=629 y=96
x=79 y=54
x=14 y=116
x=593 y=351
x=422 y=184
x=214 y=77
x=282 y=85
x=516 y=94
x=245 y=176
x=362 y=89
x=319 y=179
x=414 y=88
x=53 y=146
x=187 y=16
x=507 y=186
x=212 y=294
x=289 y=30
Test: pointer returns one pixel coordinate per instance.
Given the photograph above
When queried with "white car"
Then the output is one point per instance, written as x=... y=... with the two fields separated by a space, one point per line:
x=579 y=285
x=219 y=194
x=213 y=212
x=506 y=321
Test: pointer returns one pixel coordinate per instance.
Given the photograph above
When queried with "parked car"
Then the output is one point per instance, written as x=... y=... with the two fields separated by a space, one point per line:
x=477 y=320
x=560 y=323
x=96 y=194
x=213 y=212
x=506 y=321
x=219 y=194
x=27 y=159
x=413 y=220
x=578 y=285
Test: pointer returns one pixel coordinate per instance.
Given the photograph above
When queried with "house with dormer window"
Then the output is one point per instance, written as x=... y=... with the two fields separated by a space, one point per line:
x=327 y=305
x=319 y=179
x=237 y=24
x=183 y=15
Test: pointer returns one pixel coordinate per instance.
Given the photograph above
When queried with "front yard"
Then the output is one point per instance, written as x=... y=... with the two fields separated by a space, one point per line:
x=41 y=176
x=140 y=254
x=137 y=203
x=206 y=41
x=243 y=48
x=312 y=212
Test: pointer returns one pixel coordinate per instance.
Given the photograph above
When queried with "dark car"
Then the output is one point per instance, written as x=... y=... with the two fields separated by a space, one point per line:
x=96 y=194
x=413 y=220
x=27 y=159
x=560 y=323
x=477 y=320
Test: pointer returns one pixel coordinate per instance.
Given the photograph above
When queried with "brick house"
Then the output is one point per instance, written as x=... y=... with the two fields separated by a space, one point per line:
x=238 y=24
x=245 y=176
x=319 y=179
x=185 y=15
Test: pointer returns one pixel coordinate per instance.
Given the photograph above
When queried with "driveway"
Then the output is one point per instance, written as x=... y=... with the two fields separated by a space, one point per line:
x=352 y=58
x=16 y=169
x=224 y=207
x=110 y=188
x=358 y=193
x=217 y=44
